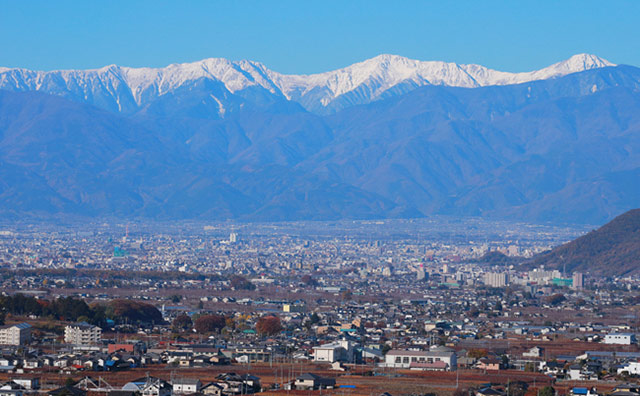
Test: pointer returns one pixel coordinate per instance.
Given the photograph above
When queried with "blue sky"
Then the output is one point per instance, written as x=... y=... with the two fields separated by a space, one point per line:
x=313 y=36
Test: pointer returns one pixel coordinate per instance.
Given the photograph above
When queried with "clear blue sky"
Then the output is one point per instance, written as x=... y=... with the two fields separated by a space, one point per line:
x=306 y=36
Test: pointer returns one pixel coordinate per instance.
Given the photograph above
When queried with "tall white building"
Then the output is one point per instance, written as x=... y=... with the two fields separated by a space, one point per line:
x=17 y=334
x=421 y=274
x=578 y=280
x=82 y=334
x=542 y=277
x=496 y=279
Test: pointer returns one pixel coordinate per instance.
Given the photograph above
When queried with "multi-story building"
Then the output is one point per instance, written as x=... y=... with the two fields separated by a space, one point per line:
x=421 y=274
x=578 y=280
x=186 y=386
x=496 y=279
x=620 y=339
x=82 y=334
x=440 y=358
x=248 y=354
x=542 y=277
x=17 y=334
x=339 y=351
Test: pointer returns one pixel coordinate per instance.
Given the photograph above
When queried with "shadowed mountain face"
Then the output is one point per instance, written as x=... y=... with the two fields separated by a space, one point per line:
x=564 y=149
x=611 y=250
x=59 y=156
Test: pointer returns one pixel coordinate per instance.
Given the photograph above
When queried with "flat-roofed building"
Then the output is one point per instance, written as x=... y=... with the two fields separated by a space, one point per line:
x=578 y=280
x=496 y=279
x=82 y=334
x=620 y=339
x=399 y=358
x=17 y=334
x=186 y=386
x=339 y=351
x=248 y=354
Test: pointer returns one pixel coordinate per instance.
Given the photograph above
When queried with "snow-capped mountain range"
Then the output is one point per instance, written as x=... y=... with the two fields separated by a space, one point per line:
x=128 y=90
x=221 y=140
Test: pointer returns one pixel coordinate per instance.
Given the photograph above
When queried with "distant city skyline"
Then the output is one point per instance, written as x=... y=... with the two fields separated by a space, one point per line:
x=311 y=37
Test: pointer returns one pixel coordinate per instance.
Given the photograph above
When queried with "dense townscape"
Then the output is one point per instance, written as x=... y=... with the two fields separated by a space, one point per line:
x=441 y=307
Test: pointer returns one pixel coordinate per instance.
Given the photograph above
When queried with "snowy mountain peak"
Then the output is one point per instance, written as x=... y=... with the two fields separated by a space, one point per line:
x=389 y=59
x=127 y=89
x=576 y=63
x=585 y=62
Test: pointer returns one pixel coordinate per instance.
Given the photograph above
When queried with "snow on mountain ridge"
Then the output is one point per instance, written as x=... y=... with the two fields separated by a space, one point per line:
x=235 y=76
x=134 y=87
x=394 y=69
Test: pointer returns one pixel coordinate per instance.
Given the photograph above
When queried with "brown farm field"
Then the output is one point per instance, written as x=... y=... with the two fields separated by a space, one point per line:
x=359 y=379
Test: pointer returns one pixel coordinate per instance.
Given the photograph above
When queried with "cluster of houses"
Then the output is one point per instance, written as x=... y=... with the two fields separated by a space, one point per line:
x=618 y=390
x=225 y=384
x=390 y=336
x=111 y=358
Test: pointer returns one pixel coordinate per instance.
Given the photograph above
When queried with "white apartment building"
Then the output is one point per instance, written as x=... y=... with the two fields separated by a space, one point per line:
x=82 y=334
x=496 y=279
x=186 y=386
x=620 y=339
x=339 y=351
x=542 y=277
x=18 y=334
x=446 y=357
x=578 y=280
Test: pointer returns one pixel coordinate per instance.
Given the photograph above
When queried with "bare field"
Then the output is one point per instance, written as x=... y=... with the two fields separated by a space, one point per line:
x=393 y=381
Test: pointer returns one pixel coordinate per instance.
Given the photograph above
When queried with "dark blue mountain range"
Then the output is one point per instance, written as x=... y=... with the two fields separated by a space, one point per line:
x=564 y=149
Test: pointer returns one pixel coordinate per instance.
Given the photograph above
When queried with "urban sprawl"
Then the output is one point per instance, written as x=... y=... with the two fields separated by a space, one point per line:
x=395 y=307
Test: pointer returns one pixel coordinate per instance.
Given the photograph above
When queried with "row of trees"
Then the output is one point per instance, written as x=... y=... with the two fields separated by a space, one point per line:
x=63 y=308
x=74 y=309
x=267 y=325
x=123 y=311
x=131 y=311
x=241 y=283
x=104 y=275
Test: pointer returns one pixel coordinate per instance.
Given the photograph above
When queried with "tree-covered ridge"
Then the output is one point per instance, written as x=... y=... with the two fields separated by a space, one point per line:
x=131 y=311
x=611 y=250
